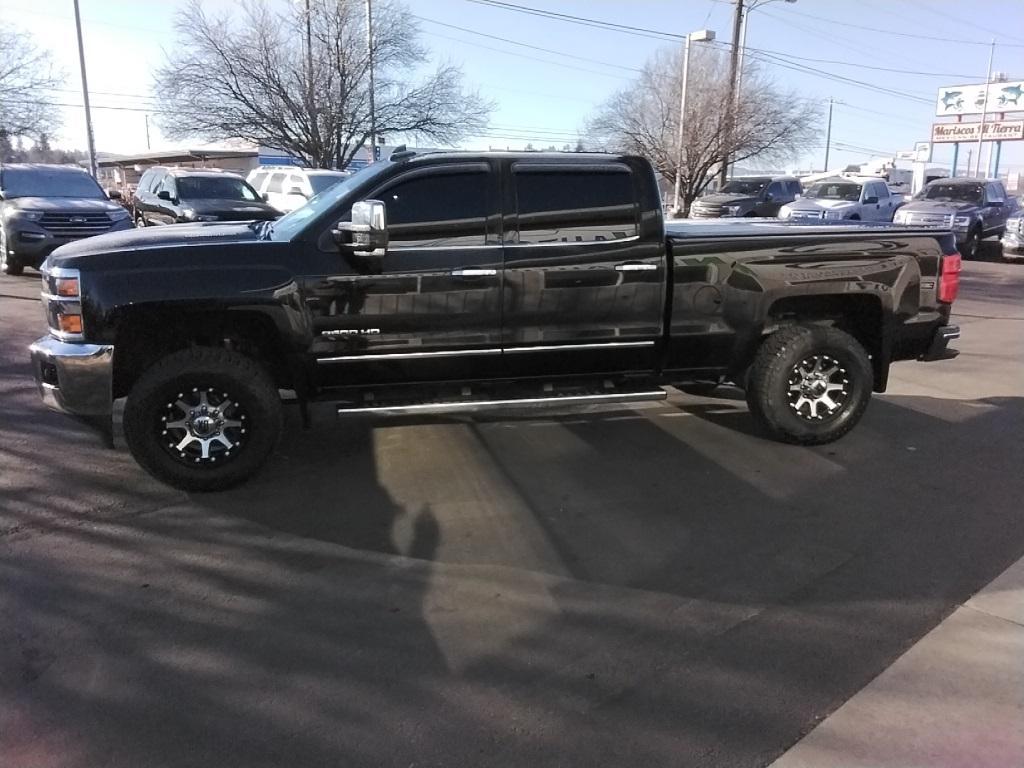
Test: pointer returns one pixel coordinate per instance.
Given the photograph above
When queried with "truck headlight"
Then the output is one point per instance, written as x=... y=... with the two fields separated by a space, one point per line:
x=119 y=215
x=832 y=215
x=785 y=213
x=961 y=222
x=732 y=210
x=900 y=217
x=189 y=214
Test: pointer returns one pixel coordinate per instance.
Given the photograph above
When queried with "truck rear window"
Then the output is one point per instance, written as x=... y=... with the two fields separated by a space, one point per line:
x=575 y=206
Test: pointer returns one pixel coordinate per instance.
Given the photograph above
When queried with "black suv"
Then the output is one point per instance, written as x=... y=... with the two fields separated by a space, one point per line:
x=43 y=206
x=748 y=196
x=175 y=195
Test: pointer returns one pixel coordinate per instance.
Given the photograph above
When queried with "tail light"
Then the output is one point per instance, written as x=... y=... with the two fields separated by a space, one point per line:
x=949 y=278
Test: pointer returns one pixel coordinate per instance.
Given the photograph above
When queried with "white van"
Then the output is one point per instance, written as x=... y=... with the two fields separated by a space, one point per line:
x=287 y=187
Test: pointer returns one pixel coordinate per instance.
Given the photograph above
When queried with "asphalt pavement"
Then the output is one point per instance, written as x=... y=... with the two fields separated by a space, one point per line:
x=655 y=586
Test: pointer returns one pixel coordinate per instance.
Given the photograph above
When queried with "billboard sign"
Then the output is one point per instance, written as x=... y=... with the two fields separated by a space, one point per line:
x=1002 y=130
x=970 y=99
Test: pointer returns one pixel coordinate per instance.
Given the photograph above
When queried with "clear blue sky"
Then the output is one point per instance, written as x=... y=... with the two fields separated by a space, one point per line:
x=544 y=98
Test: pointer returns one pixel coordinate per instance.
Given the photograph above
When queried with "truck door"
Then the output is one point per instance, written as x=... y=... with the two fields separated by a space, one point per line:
x=584 y=272
x=430 y=307
x=995 y=211
x=885 y=202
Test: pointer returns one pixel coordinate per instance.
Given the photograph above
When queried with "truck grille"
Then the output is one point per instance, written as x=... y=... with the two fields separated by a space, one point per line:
x=706 y=212
x=75 y=224
x=929 y=219
x=799 y=215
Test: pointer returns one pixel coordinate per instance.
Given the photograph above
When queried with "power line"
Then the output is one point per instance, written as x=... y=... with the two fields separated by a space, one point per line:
x=803 y=69
x=525 y=45
x=582 y=20
x=525 y=56
x=784 y=55
x=933 y=8
x=899 y=34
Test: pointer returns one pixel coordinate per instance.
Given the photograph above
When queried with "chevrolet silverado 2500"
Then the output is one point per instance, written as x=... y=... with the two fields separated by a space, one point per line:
x=455 y=282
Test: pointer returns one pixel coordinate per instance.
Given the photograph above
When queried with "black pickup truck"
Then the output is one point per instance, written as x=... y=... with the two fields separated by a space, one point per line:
x=454 y=282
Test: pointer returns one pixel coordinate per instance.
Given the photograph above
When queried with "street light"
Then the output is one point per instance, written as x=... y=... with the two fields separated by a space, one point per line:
x=700 y=36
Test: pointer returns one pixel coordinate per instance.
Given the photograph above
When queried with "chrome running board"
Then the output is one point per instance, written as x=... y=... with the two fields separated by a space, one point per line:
x=480 y=406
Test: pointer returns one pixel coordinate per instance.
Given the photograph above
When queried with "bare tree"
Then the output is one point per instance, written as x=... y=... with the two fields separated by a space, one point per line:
x=768 y=124
x=27 y=75
x=250 y=78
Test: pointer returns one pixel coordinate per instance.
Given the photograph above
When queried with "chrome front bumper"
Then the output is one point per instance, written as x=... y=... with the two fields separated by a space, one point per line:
x=74 y=378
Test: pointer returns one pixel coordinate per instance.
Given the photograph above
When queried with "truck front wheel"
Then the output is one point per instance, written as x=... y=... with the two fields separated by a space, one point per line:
x=809 y=384
x=203 y=419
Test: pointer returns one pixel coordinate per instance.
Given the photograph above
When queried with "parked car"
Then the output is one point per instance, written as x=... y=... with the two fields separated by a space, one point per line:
x=841 y=199
x=451 y=282
x=973 y=208
x=175 y=195
x=287 y=187
x=1013 y=237
x=748 y=196
x=44 y=206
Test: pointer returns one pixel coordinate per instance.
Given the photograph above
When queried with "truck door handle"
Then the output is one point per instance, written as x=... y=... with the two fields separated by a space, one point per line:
x=635 y=266
x=473 y=272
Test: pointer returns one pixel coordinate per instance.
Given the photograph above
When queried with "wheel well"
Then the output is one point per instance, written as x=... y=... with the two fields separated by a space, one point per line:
x=147 y=336
x=859 y=316
x=855 y=217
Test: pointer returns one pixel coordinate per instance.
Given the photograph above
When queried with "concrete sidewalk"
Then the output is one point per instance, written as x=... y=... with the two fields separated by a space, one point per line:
x=955 y=699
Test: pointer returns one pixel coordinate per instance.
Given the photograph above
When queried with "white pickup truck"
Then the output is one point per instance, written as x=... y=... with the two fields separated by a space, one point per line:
x=847 y=199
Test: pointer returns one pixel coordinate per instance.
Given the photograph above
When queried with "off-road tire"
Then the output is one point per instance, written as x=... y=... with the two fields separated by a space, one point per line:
x=768 y=390
x=971 y=246
x=223 y=371
x=9 y=264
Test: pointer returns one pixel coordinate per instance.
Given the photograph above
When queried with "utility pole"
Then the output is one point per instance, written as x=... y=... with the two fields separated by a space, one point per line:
x=147 y=130
x=828 y=134
x=91 y=144
x=984 y=108
x=730 y=98
x=373 y=112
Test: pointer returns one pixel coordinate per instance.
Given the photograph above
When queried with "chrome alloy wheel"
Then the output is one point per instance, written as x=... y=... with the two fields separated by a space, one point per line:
x=203 y=426
x=818 y=387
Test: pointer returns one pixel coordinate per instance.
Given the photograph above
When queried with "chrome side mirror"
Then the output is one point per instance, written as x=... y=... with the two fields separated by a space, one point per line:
x=367 y=233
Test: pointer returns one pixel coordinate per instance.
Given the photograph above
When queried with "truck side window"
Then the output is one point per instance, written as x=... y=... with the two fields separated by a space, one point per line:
x=882 y=191
x=775 y=190
x=167 y=184
x=575 y=206
x=794 y=188
x=437 y=210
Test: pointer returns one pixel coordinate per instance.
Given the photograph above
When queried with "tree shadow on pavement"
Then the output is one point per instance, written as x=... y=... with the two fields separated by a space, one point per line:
x=649 y=587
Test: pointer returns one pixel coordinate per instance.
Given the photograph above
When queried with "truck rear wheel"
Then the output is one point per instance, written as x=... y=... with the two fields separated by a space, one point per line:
x=203 y=419
x=809 y=384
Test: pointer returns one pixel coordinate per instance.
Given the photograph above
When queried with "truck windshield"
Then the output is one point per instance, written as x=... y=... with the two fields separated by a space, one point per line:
x=289 y=225
x=950 y=193
x=833 y=191
x=745 y=186
x=215 y=188
x=48 y=182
